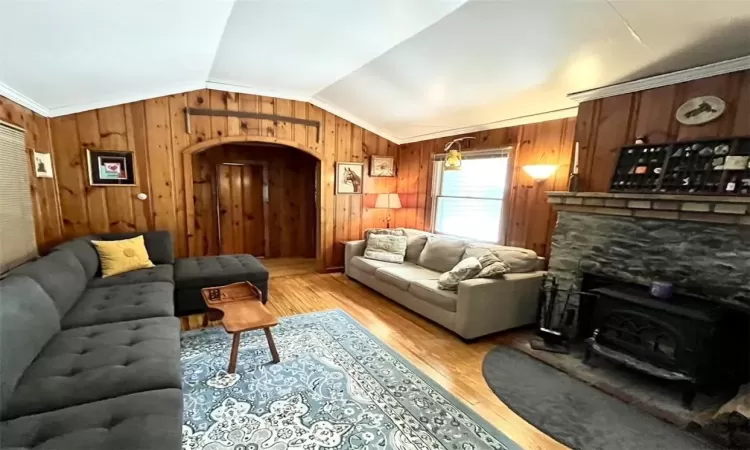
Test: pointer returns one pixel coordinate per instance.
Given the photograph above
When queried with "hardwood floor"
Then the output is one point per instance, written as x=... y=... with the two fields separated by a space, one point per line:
x=297 y=289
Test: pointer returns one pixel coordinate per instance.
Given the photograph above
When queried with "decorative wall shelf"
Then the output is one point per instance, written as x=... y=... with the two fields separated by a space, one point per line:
x=694 y=208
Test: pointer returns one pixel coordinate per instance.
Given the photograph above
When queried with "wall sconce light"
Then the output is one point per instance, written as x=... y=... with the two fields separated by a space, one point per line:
x=454 y=157
x=540 y=172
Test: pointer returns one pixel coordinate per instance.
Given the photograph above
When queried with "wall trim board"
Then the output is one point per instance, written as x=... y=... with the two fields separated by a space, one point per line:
x=681 y=76
x=228 y=86
x=505 y=123
x=20 y=99
x=344 y=114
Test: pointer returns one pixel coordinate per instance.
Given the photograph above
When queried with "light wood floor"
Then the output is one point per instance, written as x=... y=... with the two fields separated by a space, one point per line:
x=296 y=289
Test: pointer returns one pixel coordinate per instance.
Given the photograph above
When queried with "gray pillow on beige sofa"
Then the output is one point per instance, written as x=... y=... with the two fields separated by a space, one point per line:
x=441 y=254
x=464 y=270
x=492 y=266
x=386 y=247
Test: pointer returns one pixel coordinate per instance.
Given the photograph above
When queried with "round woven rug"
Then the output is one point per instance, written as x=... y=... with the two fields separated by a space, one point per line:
x=574 y=413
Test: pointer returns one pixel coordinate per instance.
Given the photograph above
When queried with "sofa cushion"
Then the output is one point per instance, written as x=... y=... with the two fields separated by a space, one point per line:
x=83 y=365
x=28 y=319
x=85 y=253
x=161 y=272
x=465 y=269
x=386 y=247
x=369 y=266
x=60 y=275
x=405 y=274
x=158 y=244
x=441 y=253
x=205 y=271
x=428 y=291
x=415 y=242
x=143 y=421
x=121 y=303
x=519 y=259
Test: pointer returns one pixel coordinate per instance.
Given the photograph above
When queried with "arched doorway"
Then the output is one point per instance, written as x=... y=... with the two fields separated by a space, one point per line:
x=254 y=195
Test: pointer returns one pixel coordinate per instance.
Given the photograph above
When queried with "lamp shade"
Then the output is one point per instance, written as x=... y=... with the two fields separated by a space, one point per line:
x=453 y=160
x=388 y=201
x=540 y=172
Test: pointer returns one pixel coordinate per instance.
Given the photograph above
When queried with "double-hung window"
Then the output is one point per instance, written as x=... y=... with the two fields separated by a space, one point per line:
x=469 y=202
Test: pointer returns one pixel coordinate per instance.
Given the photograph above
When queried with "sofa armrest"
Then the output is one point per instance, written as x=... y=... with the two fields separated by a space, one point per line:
x=490 y=305
x=352 y=249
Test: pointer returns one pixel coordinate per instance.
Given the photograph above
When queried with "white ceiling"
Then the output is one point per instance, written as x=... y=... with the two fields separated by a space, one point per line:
x=407 y=69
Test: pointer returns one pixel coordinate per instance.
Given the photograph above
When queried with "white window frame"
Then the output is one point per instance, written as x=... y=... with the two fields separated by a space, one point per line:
x=437 y=185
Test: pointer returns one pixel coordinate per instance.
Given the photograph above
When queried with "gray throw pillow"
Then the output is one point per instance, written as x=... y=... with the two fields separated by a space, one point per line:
x=492 y=266
x=386 y=247
x=464 y=270
x=441 y=254
x=414 y=245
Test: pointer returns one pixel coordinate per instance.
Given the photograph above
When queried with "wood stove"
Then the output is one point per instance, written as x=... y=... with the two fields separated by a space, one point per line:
x=685 y=339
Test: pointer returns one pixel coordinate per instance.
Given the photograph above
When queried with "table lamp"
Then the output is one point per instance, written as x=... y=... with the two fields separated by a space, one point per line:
x=388 y=201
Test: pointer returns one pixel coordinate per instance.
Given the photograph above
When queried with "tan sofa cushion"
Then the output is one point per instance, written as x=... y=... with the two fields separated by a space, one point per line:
x=428 y=291
x=369 y=266
x=441 y=253
x=520 y=260
x=404 y=275
x=415 y=242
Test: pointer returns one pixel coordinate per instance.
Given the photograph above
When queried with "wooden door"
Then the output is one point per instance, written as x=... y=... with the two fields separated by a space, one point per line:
x=242 y=205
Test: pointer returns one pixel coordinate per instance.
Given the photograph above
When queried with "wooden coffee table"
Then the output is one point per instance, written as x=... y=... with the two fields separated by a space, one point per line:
x=240 y=308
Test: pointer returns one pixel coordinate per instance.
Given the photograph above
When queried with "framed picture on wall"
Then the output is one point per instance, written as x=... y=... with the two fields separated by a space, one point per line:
x=349 y=177
x=43 y=165
x=110 y=168
x=382 y=166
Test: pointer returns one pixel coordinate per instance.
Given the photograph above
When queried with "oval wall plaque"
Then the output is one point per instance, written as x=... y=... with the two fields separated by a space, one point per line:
x=700 y=110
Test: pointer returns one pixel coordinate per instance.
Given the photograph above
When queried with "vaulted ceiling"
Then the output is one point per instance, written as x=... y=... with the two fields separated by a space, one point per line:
x=406 y=69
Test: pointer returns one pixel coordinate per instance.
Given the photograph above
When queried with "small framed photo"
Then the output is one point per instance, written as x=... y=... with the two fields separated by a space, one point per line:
x=349 y=177
x=43 y=165
x=381 y=166
x=110 y=168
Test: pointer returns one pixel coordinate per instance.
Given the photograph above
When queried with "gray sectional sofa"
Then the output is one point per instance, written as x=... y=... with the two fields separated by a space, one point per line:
x=94 y=363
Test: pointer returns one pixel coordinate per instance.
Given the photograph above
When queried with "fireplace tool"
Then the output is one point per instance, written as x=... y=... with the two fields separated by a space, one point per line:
x=551 y=335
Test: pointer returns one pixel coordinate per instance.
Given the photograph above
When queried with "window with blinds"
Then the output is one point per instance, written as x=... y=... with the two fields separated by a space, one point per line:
x=469 y=202
x=17 y=239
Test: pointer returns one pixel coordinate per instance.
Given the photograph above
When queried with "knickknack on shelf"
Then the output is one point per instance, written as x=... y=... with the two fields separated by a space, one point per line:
x=709 y=166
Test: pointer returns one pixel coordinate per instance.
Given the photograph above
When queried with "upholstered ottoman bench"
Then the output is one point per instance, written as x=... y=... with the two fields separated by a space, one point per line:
x=193 y=274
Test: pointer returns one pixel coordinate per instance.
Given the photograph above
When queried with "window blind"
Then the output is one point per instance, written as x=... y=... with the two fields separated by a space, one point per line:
x=17 y=238
x=469 y=201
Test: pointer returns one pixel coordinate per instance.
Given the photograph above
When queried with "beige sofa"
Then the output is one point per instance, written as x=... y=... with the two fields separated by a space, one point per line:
x=480 y=307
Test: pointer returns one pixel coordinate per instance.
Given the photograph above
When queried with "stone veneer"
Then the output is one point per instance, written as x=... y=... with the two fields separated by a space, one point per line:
x=708 y=257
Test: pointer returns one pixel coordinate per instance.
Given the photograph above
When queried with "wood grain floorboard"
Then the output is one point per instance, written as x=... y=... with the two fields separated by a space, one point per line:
x=296 y=288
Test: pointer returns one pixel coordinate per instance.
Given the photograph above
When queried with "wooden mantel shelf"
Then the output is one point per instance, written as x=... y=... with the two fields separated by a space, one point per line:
x=694 y=208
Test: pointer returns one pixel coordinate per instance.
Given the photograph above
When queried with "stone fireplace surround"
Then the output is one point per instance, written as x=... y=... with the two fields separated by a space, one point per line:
x=699 y=243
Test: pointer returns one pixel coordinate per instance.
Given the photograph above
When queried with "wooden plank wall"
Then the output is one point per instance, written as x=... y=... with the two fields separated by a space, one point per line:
x=291 y=209
x=529 y=219
x=155 y=129
x=44 y=194
x=605 y=125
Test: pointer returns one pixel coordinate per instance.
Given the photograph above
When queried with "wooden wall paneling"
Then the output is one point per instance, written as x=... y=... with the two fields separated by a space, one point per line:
x=341 y=215
x=135 y=123
x=371 y=185
x=612 y=132
x=113 y=135
x=160 y=162
x=284 y=129
x=314 y=142
x=250 y=103
x=278 y=203
x=236 y=174
x=742 y=110
x=355 y=201
x=655 y=114
x=232 y=103
x=180 y=139
x=219 y=124
x=96 y=199
x=424 y=166
x=403 y=161
x=70 y=169
x=299 y=132
x=267 y=106
x=202 y=234
x=224 y=208
x=315 y=139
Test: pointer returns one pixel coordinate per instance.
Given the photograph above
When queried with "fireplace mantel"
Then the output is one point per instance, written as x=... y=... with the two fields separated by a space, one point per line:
x=692 y=208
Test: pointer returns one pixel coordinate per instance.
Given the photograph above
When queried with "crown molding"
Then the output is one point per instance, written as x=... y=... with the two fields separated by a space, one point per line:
x=245 y=89
x=114 y=101
x=695 y=73
x=16 y=97
x=346 y=115
x=513 y=122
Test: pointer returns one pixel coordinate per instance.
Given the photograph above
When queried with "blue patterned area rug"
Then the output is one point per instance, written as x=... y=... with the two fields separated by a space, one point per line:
x=336 y=387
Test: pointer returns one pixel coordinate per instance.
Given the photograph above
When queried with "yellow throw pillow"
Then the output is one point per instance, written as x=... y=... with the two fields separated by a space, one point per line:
x=122 y=256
